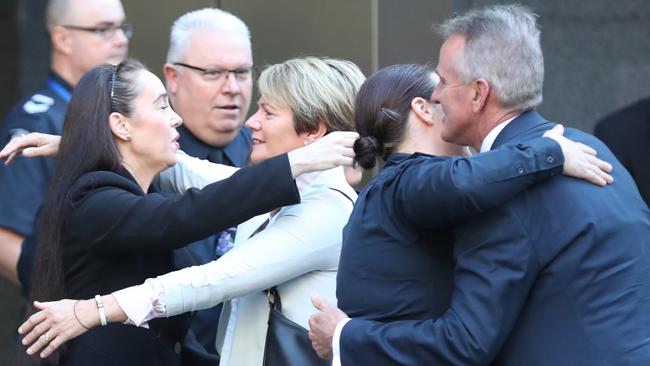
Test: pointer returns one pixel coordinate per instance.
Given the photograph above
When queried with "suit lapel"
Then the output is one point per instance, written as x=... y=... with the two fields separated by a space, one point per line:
x=525 y=122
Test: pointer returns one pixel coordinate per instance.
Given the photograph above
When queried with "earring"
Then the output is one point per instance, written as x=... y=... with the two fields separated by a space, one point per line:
x=306 y=143
x=128 y=137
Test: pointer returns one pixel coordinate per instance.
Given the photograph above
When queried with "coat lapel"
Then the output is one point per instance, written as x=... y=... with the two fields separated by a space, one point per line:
x=524 y=123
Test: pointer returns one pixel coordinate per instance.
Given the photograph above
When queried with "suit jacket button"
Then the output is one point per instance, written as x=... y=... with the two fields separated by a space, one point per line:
x=550 y=159
x=177 y=348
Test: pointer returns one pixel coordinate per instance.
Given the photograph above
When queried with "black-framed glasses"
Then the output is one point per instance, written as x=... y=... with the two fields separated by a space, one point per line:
x=241 y=74
x=105 y=31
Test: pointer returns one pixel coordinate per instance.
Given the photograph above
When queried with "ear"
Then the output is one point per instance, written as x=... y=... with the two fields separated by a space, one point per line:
x=120 y=126
x=315 y=135
x=481 y=92
x=171 y=78
x=61 y=41
x=423 y=110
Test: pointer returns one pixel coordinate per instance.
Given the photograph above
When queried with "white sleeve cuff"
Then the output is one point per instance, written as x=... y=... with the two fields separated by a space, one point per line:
x=336 y=349
x=142 y=303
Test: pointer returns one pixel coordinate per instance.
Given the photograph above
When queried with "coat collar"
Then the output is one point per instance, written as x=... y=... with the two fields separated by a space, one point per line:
x=234 y=154
x=524 y=122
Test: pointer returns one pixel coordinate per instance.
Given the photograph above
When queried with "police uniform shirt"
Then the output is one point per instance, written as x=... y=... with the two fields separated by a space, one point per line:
x=23 y=184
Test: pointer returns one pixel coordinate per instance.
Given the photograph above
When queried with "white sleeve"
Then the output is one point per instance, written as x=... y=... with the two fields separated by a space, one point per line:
x=301 y=240
x=336 y=341
x=141 y=303
x=192 y=172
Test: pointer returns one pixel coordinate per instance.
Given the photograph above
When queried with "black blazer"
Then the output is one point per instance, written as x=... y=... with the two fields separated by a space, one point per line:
x=116 y=236
x=627 y=133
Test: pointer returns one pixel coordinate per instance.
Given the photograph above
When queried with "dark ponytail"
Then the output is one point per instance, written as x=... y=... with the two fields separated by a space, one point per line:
x=382 y=108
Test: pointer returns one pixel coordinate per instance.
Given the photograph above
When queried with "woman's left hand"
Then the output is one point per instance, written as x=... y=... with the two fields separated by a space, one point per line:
x=56 y=323
x=580 y=160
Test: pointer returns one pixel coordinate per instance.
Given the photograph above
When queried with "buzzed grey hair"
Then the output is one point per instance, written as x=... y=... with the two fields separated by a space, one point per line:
x=55 y=13
x=208 y=18
x=502 y=45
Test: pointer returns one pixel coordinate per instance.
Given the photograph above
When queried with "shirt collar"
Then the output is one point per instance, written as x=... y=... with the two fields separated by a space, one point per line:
x=492 y=135
x=57 y=78
x=235 y=153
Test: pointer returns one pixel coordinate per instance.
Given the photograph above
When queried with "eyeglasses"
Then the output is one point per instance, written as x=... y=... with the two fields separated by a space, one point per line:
x=106 y=31
x=242 y=74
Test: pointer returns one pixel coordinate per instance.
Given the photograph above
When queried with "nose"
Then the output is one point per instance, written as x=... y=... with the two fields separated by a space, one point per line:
x=120 y=39
x=176 y=120
x=435 y=96
x=253 y=122
x=231 y=85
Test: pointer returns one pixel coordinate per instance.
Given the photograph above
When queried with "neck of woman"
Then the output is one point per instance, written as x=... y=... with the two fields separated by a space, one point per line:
x=143 y=176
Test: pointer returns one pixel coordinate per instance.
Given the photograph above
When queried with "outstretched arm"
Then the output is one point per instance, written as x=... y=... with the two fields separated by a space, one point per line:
x=290 y=247
x=460 y=188
x=334 y=149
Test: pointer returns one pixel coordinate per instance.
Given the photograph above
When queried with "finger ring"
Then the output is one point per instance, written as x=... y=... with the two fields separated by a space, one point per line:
x=46 y=338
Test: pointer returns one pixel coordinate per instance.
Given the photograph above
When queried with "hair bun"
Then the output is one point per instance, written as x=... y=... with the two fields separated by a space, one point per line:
x=366 y=150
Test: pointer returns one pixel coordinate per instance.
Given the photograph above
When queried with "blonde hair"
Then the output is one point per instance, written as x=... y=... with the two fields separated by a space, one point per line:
x=316 y=90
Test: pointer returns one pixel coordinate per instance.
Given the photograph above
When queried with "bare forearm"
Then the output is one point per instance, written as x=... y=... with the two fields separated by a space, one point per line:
x=89 y=314
x=10 y=244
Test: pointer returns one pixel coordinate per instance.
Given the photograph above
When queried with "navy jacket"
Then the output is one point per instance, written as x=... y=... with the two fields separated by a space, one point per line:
x=396 y=261
x=559 y=275
x=117 y=236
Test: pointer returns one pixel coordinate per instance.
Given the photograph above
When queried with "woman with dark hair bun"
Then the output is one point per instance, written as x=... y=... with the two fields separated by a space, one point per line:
x=396 y=260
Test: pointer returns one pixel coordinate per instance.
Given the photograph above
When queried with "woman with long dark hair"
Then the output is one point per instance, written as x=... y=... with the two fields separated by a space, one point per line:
x=104 y=227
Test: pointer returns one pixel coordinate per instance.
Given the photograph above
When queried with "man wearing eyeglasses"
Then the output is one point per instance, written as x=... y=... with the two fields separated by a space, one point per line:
x=209 y=76
x=83 y=34
x=209 y=80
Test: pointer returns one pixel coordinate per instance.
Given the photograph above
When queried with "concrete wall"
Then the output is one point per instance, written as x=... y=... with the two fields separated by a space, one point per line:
x=596 y=53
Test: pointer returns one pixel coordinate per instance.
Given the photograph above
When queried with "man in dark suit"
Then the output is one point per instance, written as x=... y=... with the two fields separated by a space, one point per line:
x=627 y=133
x=209 y=79
x=560 y=275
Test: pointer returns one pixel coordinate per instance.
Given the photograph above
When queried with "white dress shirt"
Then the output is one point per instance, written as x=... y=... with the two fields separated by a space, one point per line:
x=489 y=139
x=298 y=252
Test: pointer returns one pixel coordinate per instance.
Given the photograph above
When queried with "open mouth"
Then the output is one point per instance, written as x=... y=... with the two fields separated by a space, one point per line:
x=257 y=141
x=175 y=141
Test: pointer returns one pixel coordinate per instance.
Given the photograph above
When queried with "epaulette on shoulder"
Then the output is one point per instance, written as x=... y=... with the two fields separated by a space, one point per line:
x=38 y=103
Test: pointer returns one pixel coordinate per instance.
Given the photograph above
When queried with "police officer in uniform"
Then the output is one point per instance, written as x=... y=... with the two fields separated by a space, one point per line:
x=24 y=185
x=83 y=35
